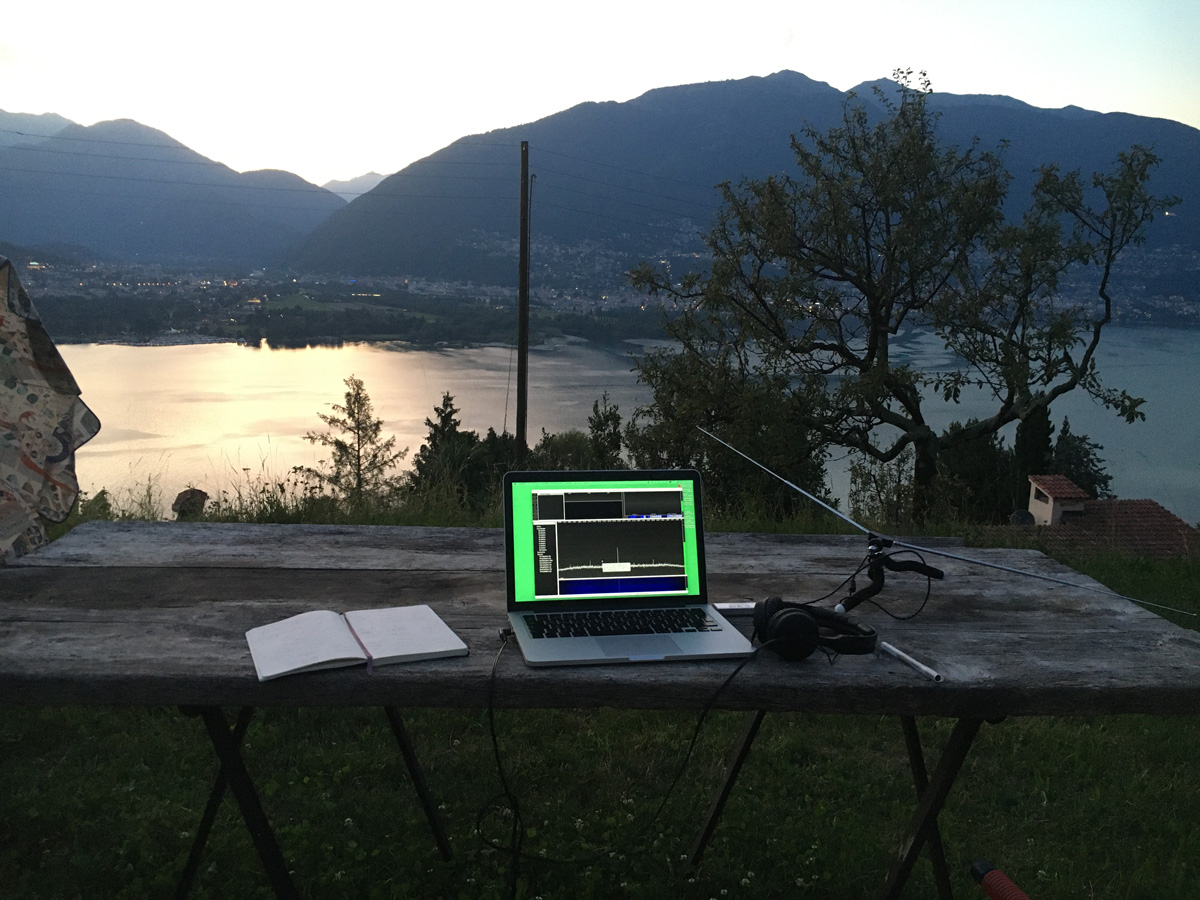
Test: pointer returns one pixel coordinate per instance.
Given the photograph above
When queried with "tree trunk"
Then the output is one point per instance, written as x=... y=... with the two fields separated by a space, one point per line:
x=924 y=479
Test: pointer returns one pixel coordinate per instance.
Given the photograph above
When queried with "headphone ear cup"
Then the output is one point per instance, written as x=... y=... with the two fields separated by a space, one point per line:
x=793 y=634
x=838 y=633
x=764 y=611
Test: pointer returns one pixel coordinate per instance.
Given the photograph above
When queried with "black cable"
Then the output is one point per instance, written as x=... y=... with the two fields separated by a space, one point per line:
x=919 y=609
x=516 y=840
x=848 y=580
x=866 y=564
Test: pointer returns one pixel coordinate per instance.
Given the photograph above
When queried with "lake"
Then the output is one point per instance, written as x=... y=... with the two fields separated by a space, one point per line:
x=218 y=415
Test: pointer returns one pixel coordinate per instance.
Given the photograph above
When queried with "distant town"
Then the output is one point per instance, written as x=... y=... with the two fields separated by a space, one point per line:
x=82 y=302
x=160 y=305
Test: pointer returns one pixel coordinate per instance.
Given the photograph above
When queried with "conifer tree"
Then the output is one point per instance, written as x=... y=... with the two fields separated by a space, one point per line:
x=360 y=462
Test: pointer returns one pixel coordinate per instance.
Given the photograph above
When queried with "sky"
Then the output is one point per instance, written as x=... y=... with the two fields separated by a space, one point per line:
x=334 y=90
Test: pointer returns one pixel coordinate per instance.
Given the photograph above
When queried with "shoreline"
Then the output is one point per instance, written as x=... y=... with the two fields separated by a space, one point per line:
x=179 y=339
x=186 y=339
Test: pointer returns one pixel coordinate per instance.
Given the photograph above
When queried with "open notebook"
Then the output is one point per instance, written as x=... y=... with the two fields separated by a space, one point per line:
x=607 y=567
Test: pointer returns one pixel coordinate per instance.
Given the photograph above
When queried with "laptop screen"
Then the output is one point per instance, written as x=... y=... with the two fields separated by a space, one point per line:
x=620 y=535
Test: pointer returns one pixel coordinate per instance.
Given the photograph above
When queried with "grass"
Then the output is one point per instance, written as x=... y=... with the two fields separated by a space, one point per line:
x=104 y=802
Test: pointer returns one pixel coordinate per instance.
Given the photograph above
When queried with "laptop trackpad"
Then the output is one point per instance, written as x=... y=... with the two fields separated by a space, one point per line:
x=633 y=646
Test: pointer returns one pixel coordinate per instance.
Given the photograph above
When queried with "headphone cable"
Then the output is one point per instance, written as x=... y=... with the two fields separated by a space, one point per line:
x=517 y=832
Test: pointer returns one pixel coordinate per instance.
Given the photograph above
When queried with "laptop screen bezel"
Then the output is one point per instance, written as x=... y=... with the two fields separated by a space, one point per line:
x=696 y=594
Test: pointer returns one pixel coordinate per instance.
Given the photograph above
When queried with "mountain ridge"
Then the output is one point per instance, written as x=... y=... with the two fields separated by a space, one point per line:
x=614 y=183
x=620 y=182
x=133 y=193
x=19 y=128
x=353 y=188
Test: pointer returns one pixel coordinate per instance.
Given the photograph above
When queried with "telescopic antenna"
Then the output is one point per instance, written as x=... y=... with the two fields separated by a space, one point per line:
x=1098 y=588
x=821 y=503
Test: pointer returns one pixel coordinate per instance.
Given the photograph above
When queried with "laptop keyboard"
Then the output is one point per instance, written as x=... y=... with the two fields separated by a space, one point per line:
x=619 y=621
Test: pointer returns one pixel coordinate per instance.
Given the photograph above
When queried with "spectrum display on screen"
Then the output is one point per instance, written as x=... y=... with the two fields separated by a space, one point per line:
x=604 y=539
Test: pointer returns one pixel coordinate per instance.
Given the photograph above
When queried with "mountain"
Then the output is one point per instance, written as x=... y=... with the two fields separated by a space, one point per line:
x=619 y=182
x=354 y=187
x=614 y=183
x=614 y=179
x=24 y=128
x=130 y=192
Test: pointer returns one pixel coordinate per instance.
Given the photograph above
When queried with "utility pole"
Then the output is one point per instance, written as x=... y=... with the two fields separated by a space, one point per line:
x=523 y=313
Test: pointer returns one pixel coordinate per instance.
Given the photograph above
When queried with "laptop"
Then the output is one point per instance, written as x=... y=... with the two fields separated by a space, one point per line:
x=608 y=567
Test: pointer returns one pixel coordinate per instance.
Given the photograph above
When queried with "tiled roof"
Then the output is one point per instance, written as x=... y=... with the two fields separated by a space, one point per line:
x=1060 y=487
x=1132 y=527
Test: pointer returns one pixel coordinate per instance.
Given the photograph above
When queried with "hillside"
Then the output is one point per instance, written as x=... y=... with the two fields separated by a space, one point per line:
x=619 y=182
x=614 y=183
x=25 y=128
x=129 y=192
x=354 y=188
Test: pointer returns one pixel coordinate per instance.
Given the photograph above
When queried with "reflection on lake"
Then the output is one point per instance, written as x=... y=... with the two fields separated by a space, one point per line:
x=210 y=414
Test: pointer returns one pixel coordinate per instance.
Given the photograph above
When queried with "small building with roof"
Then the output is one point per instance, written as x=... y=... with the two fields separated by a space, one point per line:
x=1069 y=519
x=1053 y=496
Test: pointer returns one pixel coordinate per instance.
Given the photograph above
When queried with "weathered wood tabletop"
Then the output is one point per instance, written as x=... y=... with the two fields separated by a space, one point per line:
x=156 y=614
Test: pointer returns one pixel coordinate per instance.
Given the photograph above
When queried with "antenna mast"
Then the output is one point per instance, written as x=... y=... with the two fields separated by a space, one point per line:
x=523 y=313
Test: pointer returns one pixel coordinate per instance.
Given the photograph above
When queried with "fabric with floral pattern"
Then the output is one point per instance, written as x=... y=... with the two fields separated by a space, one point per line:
x=42 y=423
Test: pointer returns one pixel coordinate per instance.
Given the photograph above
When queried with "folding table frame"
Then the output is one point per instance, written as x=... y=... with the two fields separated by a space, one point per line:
x=233 y=775
x=922 y=828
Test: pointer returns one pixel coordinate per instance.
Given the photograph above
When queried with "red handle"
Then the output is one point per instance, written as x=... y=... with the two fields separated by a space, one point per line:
x=997 y=886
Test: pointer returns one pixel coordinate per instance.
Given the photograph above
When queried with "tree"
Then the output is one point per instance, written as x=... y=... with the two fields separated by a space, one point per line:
x=570 y=449
x=445 y=457
x=1033 y=451
x=881 y=493
x=1079 y=459
x=885 y=230
x=456 y=465
x=599 y=448
x=717 y=387
x=604 y=434
x=360 y=461
x=978 y=476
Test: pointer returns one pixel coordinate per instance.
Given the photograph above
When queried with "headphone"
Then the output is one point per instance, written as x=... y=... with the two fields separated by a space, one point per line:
x=795 y=630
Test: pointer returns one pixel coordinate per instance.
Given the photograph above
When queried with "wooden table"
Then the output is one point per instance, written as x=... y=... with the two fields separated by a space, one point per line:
x=155 y=614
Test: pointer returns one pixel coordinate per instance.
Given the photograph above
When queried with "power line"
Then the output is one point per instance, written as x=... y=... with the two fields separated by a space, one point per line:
x=634 y=190
x=174 y=162
x=80 y=192
x=255 y=205
x=387 y=195
x=311 y=189
x=375 y=194
x=594 y=162
x=204 y=162
x=82 y=140
x=656 y=209
x=208 y=163
x=639 y=222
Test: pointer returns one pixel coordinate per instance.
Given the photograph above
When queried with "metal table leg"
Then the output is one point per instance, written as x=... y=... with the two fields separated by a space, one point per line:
x=234 y=770
x=916 y=760
x=733 y=768
x=215 y=797
x=418 y=779
x=933 y=797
